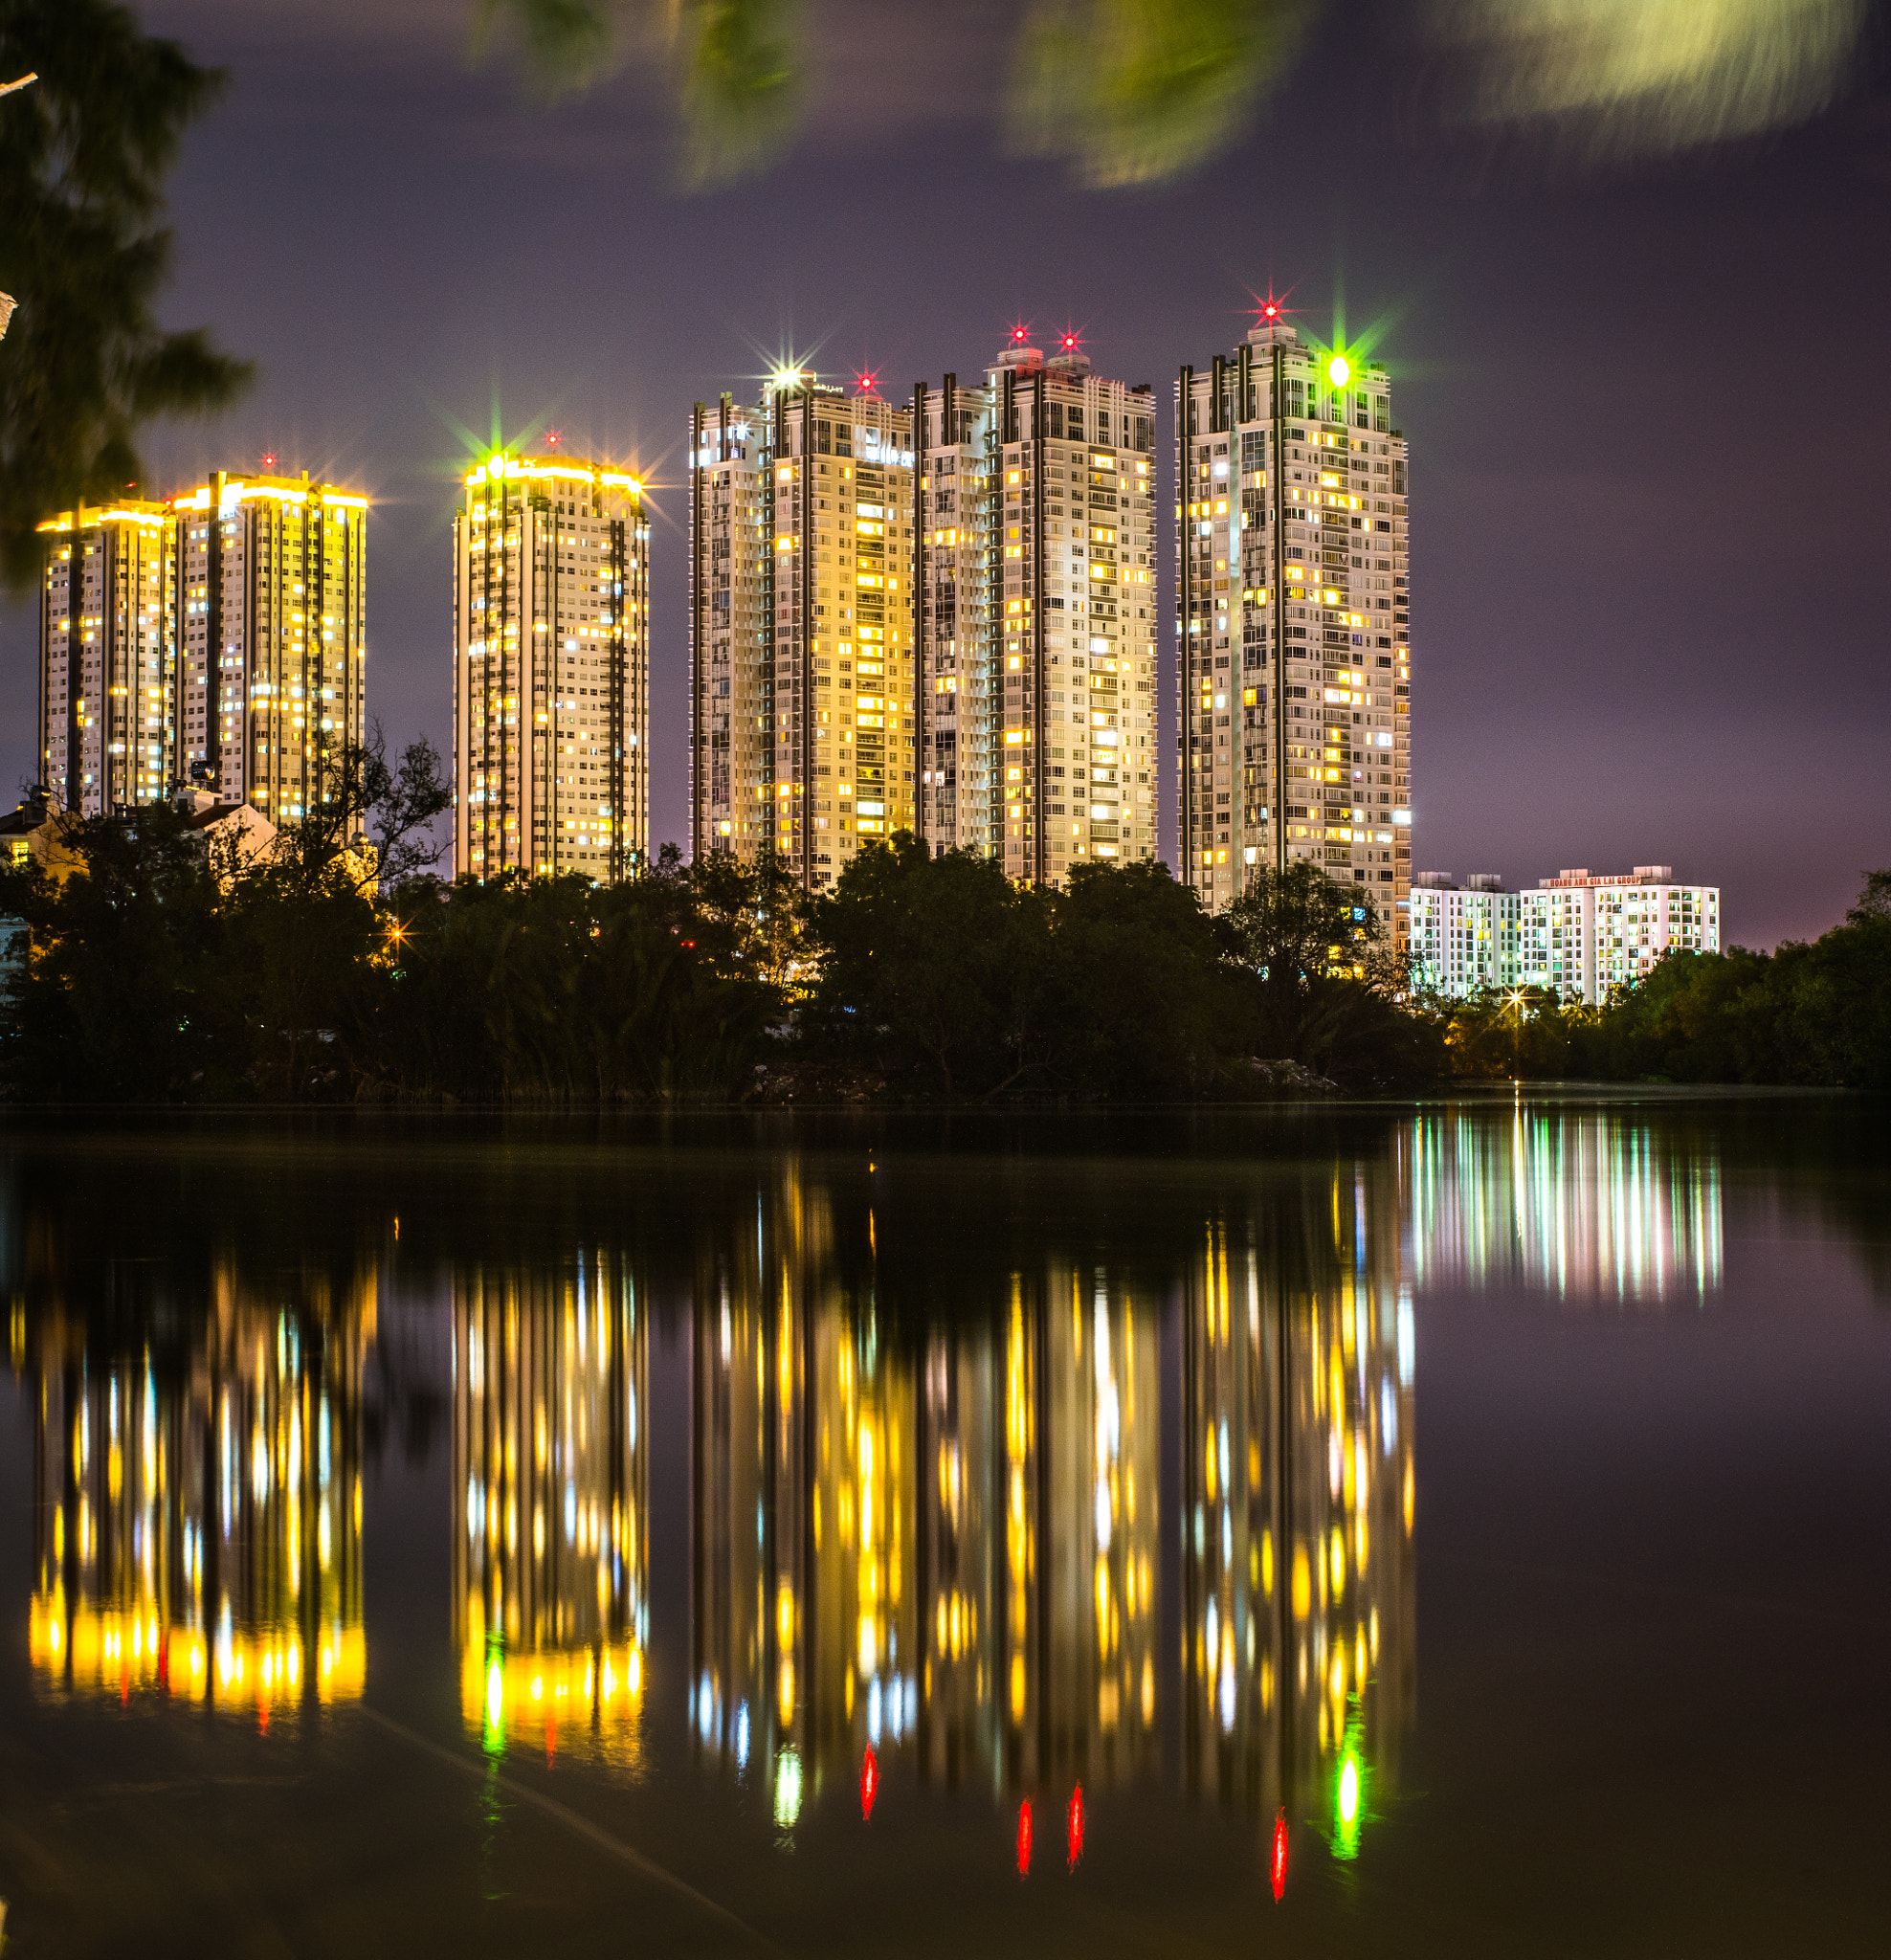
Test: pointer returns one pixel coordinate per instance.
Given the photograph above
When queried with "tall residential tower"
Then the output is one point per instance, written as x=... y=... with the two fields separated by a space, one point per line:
x=1072 y=614
x=801 y=625
x=955 y=573
x=216 y=641
x=551 y=670
x=1292 y=620
x=271 y=637
x=107 y=658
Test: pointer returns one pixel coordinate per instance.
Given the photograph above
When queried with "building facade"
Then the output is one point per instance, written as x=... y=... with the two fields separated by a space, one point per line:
x=1292 y=620
x=955 y=576
x=801 y=624
x=1073 y=773
x=107 y=658
x=272 y=649
x=214 y=642
x=551 y=670
x=1586 y=934
x=1464 y=940
x=1581 y=934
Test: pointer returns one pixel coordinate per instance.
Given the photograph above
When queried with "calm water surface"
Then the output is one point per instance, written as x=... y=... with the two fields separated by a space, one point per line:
x=1458 y=1529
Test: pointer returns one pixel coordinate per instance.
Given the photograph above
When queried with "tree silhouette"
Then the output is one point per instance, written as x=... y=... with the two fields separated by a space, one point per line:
x=84 y=252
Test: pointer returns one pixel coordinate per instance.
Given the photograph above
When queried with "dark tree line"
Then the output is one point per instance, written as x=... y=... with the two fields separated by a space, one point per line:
x=332 y=968
x=942 y=974
x=151 y=966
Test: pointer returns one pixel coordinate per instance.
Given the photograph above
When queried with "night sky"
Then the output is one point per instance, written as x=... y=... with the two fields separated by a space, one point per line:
x=1651 y=437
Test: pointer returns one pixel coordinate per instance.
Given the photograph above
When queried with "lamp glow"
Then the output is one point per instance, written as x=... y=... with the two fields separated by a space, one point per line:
x=1339 y=371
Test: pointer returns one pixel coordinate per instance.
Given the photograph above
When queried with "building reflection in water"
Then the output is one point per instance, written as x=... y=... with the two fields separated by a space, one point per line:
x=550 y=1561
x=947 y=1547
x=198 y=1508
x=1583 y=1203
x=1298 y=1494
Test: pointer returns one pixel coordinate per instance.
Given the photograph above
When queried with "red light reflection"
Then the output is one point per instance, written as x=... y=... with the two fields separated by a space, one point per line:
x=1074 y=1826
x=869 y=1784
x=1024 y=1838
x=1280 y=1854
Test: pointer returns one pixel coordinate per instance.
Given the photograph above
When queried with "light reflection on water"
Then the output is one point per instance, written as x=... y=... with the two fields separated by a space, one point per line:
x=551 y=1512
x=1587 y=1204
x=1116 y=1507
x=950 y=1552
x=198 y=1525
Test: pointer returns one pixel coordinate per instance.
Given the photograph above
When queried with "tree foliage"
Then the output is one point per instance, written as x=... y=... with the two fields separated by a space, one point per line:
x=1328 y=985
x=1815 y=1016
x=332 y=966
x=84 y=251
x=1132 y=92
x=941 y=972
x=1135 y=91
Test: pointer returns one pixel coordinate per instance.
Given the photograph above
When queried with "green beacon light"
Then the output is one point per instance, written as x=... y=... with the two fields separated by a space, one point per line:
x=1339 y=371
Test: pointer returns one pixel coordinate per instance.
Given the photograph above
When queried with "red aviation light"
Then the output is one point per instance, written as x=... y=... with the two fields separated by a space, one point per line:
x=1073 y=1827
x=1024 y=1838
x=1279 y=1862
x=869 y=1784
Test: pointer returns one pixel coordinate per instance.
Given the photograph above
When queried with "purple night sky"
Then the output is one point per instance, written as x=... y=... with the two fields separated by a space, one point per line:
x=1651 y=470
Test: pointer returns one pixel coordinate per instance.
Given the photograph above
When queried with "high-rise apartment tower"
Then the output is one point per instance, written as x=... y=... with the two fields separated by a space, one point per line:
x=216 y=641
x=1292 y=620
x=955 y=573
x=1072 y=633
x=107 y=658
x=271 y=637
x=801 y=624
x=551 y=670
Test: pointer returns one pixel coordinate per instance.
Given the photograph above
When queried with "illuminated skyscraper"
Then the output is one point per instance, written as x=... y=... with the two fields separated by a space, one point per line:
x=214 y=642
x=801 y=624
x=270 y=637
x=1292 y=620
x=954 y=574
x=1072 y=776
x=551 y=670
x=107 y=658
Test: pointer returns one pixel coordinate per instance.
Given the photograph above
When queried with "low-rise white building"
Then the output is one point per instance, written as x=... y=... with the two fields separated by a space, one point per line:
x=1587 y=933
x=1465 y=938
x=1580 y=933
